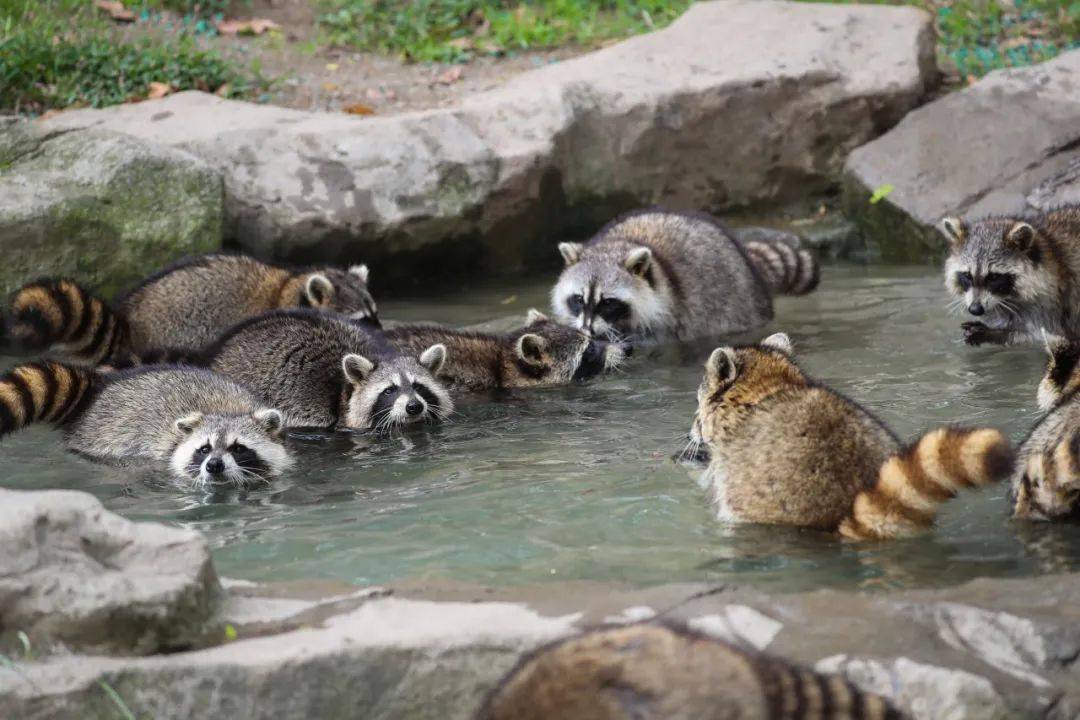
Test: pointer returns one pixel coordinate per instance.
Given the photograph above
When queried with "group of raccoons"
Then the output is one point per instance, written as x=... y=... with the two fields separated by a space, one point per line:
x=204 y=367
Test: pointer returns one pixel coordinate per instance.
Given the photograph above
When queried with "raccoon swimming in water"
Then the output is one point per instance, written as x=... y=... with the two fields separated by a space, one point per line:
x=323 y=371
x=543 y=353
x=1016 y=276
x=784 y=449
x=668 y=275
x=201 y=428
x=185 y=306
x=668 y=672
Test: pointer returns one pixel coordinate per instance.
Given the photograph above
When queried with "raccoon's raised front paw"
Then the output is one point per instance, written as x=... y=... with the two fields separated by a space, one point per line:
x=977 y=333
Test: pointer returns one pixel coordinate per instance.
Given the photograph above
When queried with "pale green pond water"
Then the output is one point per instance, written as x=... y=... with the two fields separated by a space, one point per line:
x=577 y=482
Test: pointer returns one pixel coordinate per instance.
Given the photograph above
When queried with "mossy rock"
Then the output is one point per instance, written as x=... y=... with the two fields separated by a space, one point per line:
x=99 y=206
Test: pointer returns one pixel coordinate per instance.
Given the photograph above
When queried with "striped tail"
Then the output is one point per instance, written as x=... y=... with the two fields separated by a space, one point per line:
x=60 y=315
x=788 y=270
x=45 y=391
x=912 y=484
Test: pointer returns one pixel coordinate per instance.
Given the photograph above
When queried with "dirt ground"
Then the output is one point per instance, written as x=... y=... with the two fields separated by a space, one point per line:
x=309 y=76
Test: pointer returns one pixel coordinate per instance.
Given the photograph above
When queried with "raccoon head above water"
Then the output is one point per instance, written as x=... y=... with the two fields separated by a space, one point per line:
x=340 y=291
x=395 y=391
x=239 y=450
x=551 y=353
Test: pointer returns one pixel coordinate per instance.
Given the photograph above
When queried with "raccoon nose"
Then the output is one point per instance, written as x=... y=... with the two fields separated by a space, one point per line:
x=215 y=466
x=976 y=308
x=414 y=408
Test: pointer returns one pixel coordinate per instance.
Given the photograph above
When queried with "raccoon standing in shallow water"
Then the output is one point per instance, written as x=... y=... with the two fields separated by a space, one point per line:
x=200 y=427
x=783 y=449
x=543 y=353
x=185 y=306
x=667 y=672
x=670 y=275
x=1016 y=275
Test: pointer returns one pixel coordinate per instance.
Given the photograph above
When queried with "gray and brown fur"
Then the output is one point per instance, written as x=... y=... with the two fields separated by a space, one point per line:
x=1015 y=275
x=195 y=425
x=184 y=306
x=667 y=672
x=322 y=371
x=669 y=275
x=784 y=449
x=543 y=353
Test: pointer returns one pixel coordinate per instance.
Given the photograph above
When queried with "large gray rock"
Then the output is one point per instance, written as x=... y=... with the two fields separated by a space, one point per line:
x=737 y=102
x=72 y=573
x=1005 y=144
x=99 y=206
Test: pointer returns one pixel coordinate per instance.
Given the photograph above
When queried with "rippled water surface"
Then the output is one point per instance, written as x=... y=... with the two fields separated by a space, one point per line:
x=578 y=483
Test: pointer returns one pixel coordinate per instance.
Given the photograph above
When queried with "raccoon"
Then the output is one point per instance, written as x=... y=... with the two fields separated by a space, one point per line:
x=199 y=427
x=185 y=306
x=1016 y=275
x=784 y=449
x=1046 y=482
x=666 y=275
x=325 y=372
x=543 y=353
x=668 y=672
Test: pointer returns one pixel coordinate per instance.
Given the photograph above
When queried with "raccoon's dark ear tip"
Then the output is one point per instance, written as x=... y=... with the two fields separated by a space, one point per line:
x=953 y=229
x=722 y=365
x=270 y=420
x=188 y=423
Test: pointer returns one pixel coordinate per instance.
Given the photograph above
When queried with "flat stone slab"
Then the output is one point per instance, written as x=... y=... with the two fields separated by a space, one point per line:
x=736 y=103
x=1008 y=143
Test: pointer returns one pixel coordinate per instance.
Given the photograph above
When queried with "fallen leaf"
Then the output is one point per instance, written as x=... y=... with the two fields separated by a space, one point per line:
x=359 y=109
x=451 y=76
x=224 y=90
x=329 y=87
x=116 y=10
x=508 y=301
x=49 y=114
x=230 y=633
x=331 y=66
x=254 y=26
x=880 y=193
x=158 y=90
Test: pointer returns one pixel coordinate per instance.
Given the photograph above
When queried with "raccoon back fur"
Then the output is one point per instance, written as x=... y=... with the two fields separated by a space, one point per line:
x=1016 y=275
x=199 y=427
x=543 y=353
x=784 y=449
x=667 y=672
x=671 y=275
x=184 y=306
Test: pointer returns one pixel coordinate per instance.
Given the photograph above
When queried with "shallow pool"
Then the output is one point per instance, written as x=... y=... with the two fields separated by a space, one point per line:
x=577 y=482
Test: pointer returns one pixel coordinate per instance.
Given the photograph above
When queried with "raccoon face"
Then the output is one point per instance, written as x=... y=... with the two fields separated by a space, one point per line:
x=344 y=292
x=1049 y=489
x=996 y=268
x=1060 y=378
x=611 y=296
x=396 y=391
x=235 y=450
x=550 y=353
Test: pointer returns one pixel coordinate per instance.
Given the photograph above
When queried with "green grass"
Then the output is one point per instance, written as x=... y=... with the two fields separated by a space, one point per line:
x=63 y=53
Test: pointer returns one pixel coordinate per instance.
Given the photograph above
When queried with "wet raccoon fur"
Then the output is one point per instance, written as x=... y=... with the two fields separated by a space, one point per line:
x=201 y=428
x=1016 y=275
x=784 y=449
x=1046 y=482
x=185 y=306
x=324 y=372
x=669 y=275
x=543 y=353
x=667 y=672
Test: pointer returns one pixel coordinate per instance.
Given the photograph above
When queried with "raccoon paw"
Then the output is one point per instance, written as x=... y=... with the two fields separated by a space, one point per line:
x=977 y=333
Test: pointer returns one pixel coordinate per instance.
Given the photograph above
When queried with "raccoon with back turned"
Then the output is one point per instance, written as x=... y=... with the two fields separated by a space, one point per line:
x=668 y=275
x=669 y=672
x=185 y=306
x=1016 y=275
x=783 y=449
x=543 y=353
x=201 y=428
x=323 y=371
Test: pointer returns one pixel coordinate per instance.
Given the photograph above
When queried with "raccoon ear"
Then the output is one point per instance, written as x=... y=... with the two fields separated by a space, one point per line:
x=360 y=271
x=189 y=422
x=269 y=419
x=571 y=252
x=638 y=261
x=433 y=358
x=722 y=366
x=1021 y=237
x=954 y=229
x=535 y=316
x=357 y=368
x=779 y=341
x=318 y=290
x=531 y=348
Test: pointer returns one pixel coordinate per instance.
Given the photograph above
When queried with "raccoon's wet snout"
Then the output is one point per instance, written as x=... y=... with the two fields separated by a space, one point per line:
x=214 y=466
x=976 y=308
x=414 y=407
